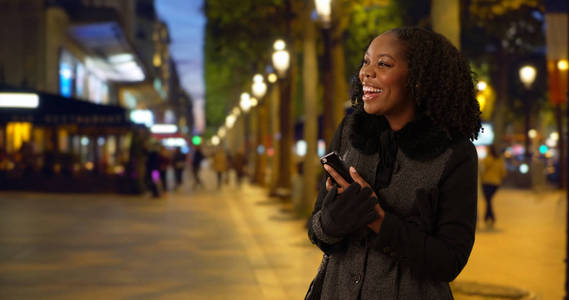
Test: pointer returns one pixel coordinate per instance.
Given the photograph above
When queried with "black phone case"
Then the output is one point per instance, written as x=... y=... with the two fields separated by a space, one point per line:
x=334 y=161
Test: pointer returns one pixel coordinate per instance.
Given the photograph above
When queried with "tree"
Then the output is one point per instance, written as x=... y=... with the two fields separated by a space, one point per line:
x=236 y=45
x=502 y=34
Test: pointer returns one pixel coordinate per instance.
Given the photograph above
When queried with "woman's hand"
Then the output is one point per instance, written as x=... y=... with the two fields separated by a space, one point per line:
x=343 y=184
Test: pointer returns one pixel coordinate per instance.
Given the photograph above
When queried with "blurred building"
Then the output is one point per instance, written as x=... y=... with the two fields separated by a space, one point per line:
x=95 y=67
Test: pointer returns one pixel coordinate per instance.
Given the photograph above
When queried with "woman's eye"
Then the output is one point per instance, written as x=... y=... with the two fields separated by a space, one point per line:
x=383 y=64
x=365 y=62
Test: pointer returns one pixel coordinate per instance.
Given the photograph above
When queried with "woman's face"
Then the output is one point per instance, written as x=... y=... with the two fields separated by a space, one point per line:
x=384 y=76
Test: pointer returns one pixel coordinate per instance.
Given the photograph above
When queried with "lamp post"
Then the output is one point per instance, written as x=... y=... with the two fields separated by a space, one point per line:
x=259 y=89
x=310 y=95
x=281 y=62
x=245 y=104
x=527 y=75
x=563 y=67
x=324 y=10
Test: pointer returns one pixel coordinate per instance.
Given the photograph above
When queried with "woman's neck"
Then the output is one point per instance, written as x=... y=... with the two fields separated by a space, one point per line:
x=399 y=121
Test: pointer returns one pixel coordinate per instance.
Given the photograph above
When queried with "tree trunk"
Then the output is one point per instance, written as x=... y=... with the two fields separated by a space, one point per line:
x=310 y=95
x=338 y=63
x=275 y=102
x=561 y=147
x=501 y=79
x=328 y=93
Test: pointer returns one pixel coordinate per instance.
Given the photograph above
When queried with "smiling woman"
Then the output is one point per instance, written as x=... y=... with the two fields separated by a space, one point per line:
x=405 y=228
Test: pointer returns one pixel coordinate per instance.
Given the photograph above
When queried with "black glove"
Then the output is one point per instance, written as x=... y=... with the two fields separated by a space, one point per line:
x=349 y=211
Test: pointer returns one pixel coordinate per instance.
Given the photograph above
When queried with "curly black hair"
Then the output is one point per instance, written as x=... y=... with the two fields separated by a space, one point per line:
x=439 y=81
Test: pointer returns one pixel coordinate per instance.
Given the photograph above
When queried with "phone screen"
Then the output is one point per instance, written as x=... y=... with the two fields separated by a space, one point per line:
x=333 y=160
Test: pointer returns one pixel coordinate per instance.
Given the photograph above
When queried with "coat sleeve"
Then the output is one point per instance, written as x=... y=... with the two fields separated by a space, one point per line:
x=442 y=253
x=325 y=242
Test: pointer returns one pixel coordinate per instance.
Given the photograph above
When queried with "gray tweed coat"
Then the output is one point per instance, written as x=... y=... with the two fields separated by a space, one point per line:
x=428 y=230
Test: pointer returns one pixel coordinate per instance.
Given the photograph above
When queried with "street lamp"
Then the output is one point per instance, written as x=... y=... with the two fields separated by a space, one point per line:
x=563 y=65
x=527 y=75
x=230 y=121
x=481 y=86
x=281 y=58
x=259 y=88
x=215 y=140
x=324 y=10
x=272 y=77
x=245 y=102
x=221 y=132
x=281 y=62
x=236 y=111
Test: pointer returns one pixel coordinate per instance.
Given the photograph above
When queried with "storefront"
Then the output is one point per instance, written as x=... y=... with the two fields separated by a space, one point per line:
x=67 y=138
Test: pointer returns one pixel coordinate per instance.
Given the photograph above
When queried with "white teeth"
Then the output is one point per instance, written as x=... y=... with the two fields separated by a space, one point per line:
x=372 y=90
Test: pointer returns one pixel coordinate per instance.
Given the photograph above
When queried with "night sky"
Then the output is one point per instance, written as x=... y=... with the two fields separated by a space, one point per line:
x=186 y=23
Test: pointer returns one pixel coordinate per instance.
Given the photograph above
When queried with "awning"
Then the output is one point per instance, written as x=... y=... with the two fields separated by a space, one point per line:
x=58 y=110
x=113 y=56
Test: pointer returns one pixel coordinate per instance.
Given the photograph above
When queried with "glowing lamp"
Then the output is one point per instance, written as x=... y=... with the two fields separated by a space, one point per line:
x=324 y=9
x=259 y=88
x=272 y=78
x=563 y=65
x=527 y=75
x=281 y=57
x=245 y=102
x=215 y=140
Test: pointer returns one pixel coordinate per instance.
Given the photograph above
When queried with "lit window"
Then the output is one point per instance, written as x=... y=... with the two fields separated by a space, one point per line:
x=157 y=61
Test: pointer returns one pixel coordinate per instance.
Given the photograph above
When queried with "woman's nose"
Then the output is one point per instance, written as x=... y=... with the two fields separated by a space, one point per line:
x=367 y=72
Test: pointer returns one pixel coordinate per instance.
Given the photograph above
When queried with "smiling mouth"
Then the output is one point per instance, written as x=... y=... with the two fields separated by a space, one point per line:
x=371 y=92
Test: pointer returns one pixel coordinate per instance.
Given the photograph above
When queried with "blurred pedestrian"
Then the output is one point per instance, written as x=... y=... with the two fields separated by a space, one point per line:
x=151 y=172
x=405 y=227
x=239 y=162
x=220 y=165
x=493 y=170
x=179 y=161
x=197 y=159
x=164 y=163
x=538 y=174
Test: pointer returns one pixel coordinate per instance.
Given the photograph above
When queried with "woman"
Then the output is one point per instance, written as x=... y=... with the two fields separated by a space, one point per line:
x=220 y=165
x=405 y=228
x=493 y=171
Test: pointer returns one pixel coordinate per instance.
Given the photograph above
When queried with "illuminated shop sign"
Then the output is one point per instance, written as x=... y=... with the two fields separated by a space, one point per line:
x=19 y=100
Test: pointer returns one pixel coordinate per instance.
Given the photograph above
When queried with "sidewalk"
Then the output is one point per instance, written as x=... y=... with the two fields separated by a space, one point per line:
x=526 y=249
x=522 y=257
x=235 y=243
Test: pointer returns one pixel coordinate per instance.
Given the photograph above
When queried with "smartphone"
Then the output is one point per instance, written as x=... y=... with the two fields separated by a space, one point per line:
x=333 y=160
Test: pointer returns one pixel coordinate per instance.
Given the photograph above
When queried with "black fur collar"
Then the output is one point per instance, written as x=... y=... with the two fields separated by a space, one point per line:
x=419 y=140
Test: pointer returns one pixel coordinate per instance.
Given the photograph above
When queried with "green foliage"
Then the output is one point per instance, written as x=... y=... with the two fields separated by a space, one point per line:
x=505 y=35
x=367 y=22
x=239 y=37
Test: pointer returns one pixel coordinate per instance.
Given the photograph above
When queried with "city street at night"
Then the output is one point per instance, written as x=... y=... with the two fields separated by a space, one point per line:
x=174 y=149
x=231 y=244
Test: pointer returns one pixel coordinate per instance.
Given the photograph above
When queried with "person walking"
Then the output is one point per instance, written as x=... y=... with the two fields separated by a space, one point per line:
x=220 y=165
x=405 y=227
x=164 y=163
x=197 y=159
x=492 y=172
x=239 y=164
x=152 y=166
x=179 y=161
